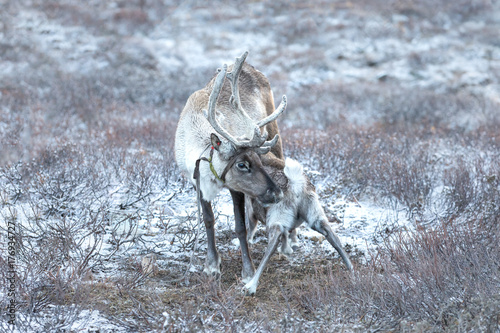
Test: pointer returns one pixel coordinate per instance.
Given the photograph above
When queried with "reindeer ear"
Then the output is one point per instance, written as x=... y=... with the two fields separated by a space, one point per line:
x=215 y=141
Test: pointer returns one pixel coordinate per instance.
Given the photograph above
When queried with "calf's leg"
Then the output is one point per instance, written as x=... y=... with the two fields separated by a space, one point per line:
x=274 y=238
x=324 y=228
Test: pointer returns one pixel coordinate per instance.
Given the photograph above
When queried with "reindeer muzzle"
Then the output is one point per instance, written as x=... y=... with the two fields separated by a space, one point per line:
x=271 y=196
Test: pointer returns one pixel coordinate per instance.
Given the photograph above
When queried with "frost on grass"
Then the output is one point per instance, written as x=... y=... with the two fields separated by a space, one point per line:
x=393 y=112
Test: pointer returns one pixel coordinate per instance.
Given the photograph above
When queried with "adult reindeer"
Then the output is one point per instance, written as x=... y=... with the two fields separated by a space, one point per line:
x=222 y=130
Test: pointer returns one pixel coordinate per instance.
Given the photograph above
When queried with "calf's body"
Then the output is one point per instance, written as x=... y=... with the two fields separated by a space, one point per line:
x=300 y=204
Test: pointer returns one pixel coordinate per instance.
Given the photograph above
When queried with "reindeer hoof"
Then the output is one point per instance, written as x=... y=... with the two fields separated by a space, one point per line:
x=214 y=274
x=251 y=236
x=286 y=251
x=212 y=267
x=249 y=289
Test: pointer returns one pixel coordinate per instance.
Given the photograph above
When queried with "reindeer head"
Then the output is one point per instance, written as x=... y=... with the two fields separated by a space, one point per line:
x=243 y=171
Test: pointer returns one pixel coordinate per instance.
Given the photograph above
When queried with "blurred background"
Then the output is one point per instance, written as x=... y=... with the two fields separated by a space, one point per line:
x=72 y=69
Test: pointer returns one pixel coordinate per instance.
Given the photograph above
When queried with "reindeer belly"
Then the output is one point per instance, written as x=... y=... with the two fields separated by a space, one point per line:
x=282 y=215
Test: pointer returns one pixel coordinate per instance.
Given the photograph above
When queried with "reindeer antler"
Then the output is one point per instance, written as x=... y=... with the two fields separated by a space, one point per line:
x=233 y=79
x=258 y=141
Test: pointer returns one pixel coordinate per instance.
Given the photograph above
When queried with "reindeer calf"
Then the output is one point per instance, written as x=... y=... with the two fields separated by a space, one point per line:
x=300 y=203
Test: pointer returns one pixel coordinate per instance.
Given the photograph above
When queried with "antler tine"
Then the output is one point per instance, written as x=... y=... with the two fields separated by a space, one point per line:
x=233 y=79
x=267 y=146
x=272 y=142
x=212 y=101
x=258 y=140
x=275 y=114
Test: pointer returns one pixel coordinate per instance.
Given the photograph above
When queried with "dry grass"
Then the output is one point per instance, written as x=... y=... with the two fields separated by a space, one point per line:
x=438 y=279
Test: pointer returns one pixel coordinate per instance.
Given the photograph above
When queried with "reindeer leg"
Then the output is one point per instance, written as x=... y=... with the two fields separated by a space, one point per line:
x=252 y=228
x=241 y=231
x=285 y=249
x=324 y=228
x=274 y=238
x=294 y=243
x=250 y=220
x=212 y=263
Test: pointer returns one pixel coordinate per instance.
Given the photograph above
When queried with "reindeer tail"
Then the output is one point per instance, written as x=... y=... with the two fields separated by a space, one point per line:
x=295 y=174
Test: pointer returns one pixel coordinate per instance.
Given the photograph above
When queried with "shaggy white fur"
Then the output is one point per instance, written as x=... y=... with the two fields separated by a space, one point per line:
x=295 y=174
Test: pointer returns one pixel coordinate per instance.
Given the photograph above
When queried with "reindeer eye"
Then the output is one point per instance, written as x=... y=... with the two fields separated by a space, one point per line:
x=243 y=166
